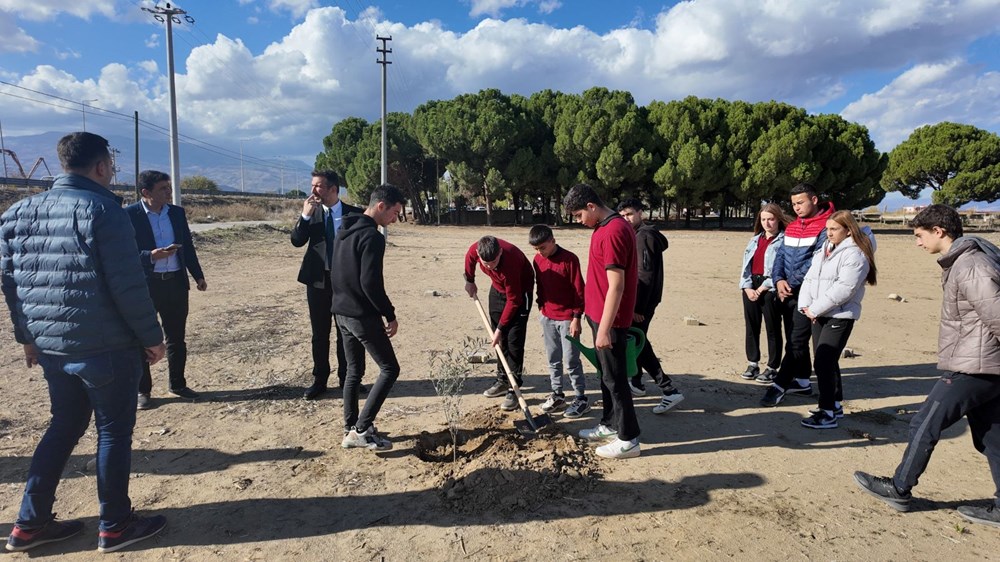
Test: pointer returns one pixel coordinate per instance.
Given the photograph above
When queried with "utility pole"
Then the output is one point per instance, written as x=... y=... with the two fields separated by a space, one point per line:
x=242 y=179
x=137 y=194
x=83 y=108
x=169 y=16
x=384 y=50
x=114 y=165
x=282 y=188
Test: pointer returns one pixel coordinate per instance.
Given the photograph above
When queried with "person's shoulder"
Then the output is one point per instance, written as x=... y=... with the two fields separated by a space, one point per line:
x=351 y=209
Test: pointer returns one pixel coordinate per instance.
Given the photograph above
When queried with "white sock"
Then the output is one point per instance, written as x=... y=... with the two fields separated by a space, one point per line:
x=752 y=365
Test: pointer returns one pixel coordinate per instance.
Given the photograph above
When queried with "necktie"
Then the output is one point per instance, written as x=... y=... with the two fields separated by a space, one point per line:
x=331 y=234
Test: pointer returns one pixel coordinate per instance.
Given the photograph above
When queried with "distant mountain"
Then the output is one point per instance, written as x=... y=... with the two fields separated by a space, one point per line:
x=260 y=174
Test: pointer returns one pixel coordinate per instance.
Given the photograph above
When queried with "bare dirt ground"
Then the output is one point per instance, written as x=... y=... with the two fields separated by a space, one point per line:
x=253 y=472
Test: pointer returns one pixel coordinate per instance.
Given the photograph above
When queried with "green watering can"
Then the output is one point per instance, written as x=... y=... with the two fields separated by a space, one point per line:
x=636 y=340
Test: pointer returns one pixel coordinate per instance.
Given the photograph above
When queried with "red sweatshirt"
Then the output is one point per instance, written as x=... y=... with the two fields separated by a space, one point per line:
x=560 y=285
x=513 y=277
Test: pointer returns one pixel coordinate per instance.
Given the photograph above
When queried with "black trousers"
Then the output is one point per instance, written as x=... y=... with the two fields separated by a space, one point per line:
x=170 y=299
x=647 y=360
x=765 y=308
x=616 y=398
x=360 y=335
x=322 y=323
x=956 y=395
x=829 y=337
x=796 y=363
x=513 y=337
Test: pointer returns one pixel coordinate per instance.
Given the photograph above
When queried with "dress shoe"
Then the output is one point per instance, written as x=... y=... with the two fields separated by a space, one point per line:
x=362 y=389
x=314 y=391
x=144 y=402
x=185 y=393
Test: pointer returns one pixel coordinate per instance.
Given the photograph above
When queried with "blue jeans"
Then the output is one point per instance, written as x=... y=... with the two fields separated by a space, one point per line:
x=105 y=384
x=559 y=349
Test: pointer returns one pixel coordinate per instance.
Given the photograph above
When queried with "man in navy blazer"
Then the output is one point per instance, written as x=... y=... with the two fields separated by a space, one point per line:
x=167 y=255
x=323 y=214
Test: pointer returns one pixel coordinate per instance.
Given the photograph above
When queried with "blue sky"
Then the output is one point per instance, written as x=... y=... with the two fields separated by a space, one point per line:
x=280 y=73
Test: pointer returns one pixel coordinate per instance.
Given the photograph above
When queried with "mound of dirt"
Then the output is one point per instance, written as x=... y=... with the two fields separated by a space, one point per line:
x=499 y=470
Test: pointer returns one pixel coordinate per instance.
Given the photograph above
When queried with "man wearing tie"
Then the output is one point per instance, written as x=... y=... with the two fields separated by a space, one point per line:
x=167 y=255
x=323 y=214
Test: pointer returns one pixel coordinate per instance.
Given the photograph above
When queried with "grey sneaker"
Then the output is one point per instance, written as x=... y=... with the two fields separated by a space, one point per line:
x=579 y=407
x=367 y=439
x=599 y=433
x=497 y=390
x=988 y=515
x=635 y=385
x=509 y=402
x=554 y=402
x=767 y=377
x=883 y=488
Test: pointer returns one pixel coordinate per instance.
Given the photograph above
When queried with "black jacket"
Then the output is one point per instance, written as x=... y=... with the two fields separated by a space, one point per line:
x=358 y=287
x=313 y=231
x=146 y=241
x=650 y=244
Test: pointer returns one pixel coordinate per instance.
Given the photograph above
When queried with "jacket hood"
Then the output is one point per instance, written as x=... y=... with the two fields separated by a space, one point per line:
x=658 y=238
x=823 y=212
x=965 y=244
x=843 y=246
x=355 y=224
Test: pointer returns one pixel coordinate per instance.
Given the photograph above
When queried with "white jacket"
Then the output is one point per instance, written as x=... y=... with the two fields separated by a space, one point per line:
x=835 y=284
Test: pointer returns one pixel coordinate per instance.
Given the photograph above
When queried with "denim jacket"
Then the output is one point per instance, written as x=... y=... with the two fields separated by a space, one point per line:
x=769 y=254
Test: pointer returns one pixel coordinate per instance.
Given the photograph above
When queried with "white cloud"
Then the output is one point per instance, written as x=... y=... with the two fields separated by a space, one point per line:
x=153 y=40
x=41 y=10
x=13 y=39
x=253 y=20
x=495 y=8
x=929 y=93
x=68 y=54
x=548 y=6
x=297 y=8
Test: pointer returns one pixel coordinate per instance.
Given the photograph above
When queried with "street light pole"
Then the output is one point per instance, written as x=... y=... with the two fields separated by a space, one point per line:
x=83 y=108
x=242 y=178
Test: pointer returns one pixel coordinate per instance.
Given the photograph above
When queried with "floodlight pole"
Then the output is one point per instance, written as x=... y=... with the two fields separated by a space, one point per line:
x=383 y=50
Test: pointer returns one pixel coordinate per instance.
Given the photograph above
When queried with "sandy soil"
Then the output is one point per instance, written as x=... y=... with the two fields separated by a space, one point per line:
x=251 y=471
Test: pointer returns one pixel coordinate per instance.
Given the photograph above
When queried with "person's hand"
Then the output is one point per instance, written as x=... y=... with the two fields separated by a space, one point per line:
x=162 y=253
x=602 y=340
x=391 y=328
x=751 y=294
x=30 y=355
x=574 y=328
x=809 y=314
x=310 y=205
x=784 y=289
x=637 y=318
x=155 y=353
x=471 y=289
x=496 y=338
x=202 y=284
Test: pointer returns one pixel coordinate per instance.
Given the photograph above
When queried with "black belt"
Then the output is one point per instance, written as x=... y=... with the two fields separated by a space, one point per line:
x=160 y=276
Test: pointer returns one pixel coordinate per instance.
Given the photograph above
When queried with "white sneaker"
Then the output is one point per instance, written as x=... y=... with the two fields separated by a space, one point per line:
x=636 y=390
x=599 y=433
x=668 y=401
x=367 y=439
x=619 y=449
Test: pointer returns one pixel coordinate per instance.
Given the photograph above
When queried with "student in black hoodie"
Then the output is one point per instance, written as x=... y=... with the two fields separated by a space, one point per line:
x=360 y=304
x=650 y=244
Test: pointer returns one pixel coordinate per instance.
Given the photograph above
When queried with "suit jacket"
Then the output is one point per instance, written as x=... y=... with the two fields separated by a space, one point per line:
x=146 y=242
x=312 y=234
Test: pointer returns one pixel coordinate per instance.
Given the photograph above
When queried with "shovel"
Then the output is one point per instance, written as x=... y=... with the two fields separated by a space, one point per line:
x=531 y=425
x=636 y=340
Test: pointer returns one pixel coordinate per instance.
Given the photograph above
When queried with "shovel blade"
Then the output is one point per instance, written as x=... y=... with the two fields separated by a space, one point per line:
x=530 y=426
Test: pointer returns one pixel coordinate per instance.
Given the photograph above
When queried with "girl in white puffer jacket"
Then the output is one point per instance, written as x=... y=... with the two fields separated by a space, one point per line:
x=831 y=297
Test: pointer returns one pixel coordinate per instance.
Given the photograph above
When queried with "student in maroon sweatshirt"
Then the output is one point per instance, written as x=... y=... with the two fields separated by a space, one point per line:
x=512 y=281
x=560 y=300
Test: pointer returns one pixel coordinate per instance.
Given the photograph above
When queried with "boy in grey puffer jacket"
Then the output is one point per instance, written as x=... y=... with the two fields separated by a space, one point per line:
x=968 y=352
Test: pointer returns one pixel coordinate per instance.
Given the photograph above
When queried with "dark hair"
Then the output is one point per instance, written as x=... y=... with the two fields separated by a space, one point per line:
x=330 y=176
x=488 y=248
x=631 y=203
x=861 y=240
x=779 y=213
x=539 y=234
x=579 y=195
x=80 y=152
x=149 y=178
x=803 y=187
x=941 y=216
x=385 y=193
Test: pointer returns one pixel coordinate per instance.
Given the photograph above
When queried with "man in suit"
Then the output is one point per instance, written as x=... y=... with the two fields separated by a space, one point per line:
x=167 y=255
x=323 y=213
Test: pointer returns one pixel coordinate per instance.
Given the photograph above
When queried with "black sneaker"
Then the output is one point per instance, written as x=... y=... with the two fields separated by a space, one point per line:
x=883 y=488
x=837 y=412
x=509 y=402
x=794 y=388
x=185 y=393
x=497 y=390
x=752 y=372
x=143 y=402
x=988 y=515
x=767 y=377
x=820 y=420
x=53 y=531
x=772 y=397
x=135 y=530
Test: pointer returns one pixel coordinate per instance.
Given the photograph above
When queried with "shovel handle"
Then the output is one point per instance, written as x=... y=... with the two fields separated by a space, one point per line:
x=503 y=360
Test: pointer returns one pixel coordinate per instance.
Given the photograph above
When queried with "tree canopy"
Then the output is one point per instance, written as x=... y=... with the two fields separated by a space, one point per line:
x=198 y=183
